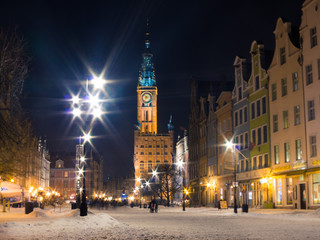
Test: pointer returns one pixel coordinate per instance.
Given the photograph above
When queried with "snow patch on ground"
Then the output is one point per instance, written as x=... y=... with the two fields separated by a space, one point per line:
x=47 y=225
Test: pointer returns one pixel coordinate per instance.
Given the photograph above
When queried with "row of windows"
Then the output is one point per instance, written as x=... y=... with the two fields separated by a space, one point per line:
x=258 y=108
x=150 y=153
x=286 y=151
x=285 y=118
x=256 y=162
x=242 y=141
x=241 y=116
x=150 y=165
x=152 y=146
x=284 y=86
x=259 y=135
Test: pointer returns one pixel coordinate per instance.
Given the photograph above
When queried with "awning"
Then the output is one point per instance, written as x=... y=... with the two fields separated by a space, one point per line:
x=9 y=189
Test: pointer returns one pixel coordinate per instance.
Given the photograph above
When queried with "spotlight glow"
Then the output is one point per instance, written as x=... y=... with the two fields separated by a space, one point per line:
x=76 y=112
x=96 y=112
x=75 y=100
x=86 y=137
x=98 y=82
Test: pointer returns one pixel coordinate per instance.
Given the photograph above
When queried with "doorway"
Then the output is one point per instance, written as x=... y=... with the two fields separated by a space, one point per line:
x=303 y=200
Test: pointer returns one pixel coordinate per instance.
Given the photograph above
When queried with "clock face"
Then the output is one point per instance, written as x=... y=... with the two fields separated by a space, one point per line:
x=146 y=97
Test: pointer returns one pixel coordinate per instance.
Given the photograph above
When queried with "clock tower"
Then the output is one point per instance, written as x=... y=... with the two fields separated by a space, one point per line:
x=147 y=91
x=151 y=149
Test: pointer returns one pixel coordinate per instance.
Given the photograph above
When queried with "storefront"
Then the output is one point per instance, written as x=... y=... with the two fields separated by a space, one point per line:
x=11 y=191
x=314 y=186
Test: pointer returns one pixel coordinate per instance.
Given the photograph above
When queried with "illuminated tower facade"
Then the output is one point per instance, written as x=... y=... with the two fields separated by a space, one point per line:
x=147 y=92
x=151 y=149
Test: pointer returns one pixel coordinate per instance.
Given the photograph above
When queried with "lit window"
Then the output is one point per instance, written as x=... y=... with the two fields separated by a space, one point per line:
x=298 y=149
x=66 y=174
x=286 y=152
x=276 y=154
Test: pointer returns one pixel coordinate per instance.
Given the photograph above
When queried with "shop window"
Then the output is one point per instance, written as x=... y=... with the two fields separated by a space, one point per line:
x=316 y=188
x=278 y=191
x=289 y=191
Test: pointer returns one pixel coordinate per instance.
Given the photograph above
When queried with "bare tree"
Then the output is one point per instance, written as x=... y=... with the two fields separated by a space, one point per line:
x=16 y=137
x=165 y=183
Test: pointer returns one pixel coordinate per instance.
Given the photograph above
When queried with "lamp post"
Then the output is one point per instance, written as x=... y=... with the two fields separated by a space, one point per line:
x=231 y=146
x=87 y=106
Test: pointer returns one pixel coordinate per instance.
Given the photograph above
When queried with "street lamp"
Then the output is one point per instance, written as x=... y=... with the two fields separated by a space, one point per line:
x=89 y=105
x=231 y=146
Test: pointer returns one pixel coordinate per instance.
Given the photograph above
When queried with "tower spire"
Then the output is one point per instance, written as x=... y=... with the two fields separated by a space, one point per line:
x=147 y=42
x=147 y=77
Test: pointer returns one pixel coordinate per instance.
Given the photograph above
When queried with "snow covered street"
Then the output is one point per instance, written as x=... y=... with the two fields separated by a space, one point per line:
x=169 y=223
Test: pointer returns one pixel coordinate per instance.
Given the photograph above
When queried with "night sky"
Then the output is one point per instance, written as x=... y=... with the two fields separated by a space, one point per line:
x=188 y=38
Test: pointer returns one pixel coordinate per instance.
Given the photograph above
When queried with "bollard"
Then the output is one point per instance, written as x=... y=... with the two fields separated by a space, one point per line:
x=8 y=205
x=4 y=205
